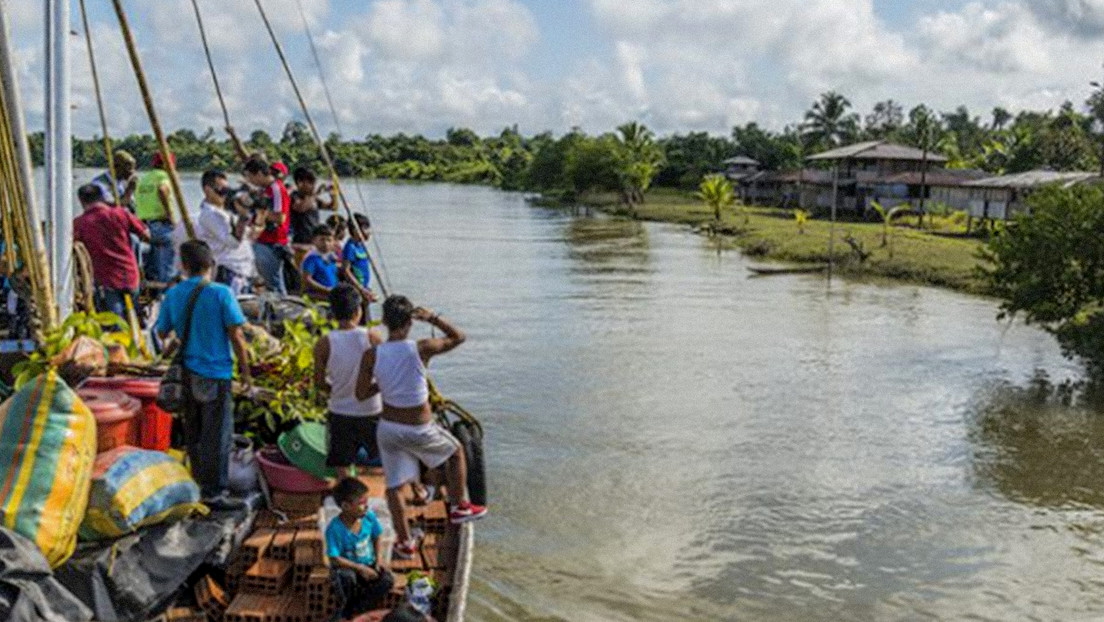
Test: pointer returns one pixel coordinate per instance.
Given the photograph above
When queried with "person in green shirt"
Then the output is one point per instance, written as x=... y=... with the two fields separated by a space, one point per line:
x=153 y=205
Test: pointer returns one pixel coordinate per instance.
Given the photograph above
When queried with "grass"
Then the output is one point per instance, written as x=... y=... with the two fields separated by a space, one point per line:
x=938 y=255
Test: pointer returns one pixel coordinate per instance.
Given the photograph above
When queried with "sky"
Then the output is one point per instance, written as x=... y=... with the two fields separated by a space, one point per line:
x=423 y=66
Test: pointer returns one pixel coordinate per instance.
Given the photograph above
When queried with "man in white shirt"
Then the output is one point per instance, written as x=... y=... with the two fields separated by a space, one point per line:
x=227 y=233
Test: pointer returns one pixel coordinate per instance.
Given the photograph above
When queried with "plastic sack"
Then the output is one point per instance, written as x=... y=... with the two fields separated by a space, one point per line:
x=134 y=488
x=47 y=445
x=28 y=590
x=244 y=469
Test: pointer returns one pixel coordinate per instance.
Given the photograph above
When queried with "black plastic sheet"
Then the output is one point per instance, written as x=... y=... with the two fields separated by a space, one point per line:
x=136 y=577
x=28 y=590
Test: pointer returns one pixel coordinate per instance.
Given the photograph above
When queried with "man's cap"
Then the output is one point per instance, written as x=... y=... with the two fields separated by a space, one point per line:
x=158 y=161
x=280 y=168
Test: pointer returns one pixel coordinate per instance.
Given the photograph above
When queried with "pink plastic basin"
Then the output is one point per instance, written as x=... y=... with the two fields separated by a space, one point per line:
x=282 y=475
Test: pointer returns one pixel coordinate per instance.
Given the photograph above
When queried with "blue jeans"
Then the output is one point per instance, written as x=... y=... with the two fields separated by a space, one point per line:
x=270 y=265
x=159 y=259
x=208 y=422
x=114 y=300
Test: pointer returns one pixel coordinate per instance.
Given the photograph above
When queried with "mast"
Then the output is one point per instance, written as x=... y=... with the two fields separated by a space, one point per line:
x=59 y=153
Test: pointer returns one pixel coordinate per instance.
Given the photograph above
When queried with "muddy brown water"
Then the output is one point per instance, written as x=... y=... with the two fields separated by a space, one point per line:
x=669 y=439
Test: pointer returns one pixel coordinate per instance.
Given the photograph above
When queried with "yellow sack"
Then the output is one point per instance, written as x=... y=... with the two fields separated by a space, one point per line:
x=47 y=446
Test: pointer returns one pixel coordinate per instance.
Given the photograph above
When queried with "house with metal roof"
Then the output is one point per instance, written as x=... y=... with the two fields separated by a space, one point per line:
x=1005 y=196
x=863 y=168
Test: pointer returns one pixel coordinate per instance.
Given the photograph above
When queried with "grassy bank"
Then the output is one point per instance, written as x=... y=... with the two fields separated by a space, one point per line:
x=939 y=256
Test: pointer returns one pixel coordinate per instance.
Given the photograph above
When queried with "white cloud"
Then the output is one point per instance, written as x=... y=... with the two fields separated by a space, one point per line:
x=677 y=65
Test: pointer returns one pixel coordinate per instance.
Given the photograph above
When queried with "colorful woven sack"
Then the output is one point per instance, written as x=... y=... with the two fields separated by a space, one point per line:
x=47 y=445
x=135 y=488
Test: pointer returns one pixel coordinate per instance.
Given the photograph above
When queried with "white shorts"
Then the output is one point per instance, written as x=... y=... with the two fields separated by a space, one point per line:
x=402 y=446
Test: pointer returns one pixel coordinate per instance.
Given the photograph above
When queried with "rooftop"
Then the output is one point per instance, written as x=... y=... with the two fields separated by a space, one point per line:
x=742 y=160
x=941 y=177
x=878 y=150
x=1031 y=179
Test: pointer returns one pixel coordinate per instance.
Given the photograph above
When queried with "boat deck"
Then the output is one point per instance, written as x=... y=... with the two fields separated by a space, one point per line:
x=281 y=573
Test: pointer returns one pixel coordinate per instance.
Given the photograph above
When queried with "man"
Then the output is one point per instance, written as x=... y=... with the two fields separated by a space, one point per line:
x=271 y=247
x=105 y=231
x=154 y=205
x=306 y=201
x=228 y=234
x=126 y=181
x=216 y=329
x=407 y=434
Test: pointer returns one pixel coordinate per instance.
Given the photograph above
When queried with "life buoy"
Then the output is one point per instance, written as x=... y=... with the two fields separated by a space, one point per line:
x=471 y=439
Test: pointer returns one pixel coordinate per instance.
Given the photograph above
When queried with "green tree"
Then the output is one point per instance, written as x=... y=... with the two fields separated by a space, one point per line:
x=773 y=151
x=829 y=123
x=885 y=120
x=716 y=192
x=1095 y=104
x=887 y=216
x=640 y=159
x=1048 y=267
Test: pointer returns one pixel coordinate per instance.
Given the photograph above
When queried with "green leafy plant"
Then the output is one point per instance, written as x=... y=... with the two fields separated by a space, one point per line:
x=716 y=192
x=801 y=217
x=105 y=327
x=887 y=221
x=283 y=375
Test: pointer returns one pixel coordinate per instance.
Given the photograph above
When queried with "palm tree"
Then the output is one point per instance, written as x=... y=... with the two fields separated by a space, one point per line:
x=641 y=160
x=926 y=133
x=716 y=192
x=828 y=123
x=887 y=220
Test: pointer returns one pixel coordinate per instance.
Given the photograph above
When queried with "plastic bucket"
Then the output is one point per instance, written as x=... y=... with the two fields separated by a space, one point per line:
x=306 y=446
x=115 y=413
x=155 y=425
x=283 y=475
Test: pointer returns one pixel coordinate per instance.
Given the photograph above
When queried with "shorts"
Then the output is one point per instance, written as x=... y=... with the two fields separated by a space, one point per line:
x=403 y=446
x=348 y=434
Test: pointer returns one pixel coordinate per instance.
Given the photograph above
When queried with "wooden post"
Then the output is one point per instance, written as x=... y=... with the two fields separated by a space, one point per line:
x=162 y=144
x=832 y=227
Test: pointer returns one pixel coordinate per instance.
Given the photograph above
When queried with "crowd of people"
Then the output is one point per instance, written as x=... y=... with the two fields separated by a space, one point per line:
x=257 y=235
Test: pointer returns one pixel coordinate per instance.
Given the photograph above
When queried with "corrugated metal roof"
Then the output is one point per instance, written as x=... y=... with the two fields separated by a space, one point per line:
x=942 y=177
x=878 y=150
x=1032 y=179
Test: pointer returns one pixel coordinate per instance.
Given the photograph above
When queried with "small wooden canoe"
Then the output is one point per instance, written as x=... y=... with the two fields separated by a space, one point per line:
x=770 y=271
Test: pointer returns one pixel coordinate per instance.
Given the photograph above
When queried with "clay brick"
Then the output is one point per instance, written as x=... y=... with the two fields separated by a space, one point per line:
x=211 y=598
x=267 y=576
x=251 y=608
x=185 y=614
x=406 y=565
x=282 y=545
x=297 y=505
x=256 y=546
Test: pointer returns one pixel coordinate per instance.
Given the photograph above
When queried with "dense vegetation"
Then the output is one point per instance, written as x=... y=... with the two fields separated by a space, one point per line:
x=1049 y=268
x=631 y=159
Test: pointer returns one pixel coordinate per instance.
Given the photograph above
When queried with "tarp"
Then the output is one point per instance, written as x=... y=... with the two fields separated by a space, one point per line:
x=28 y=591
x=136 y=577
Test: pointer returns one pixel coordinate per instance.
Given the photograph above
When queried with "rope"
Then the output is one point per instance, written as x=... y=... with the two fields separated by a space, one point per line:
x=147 y=99
x=317 y=137
x=210 y=63
x=100 y=106
x=340 y=130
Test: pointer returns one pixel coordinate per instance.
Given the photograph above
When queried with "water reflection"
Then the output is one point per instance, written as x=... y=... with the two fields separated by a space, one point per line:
x=1040 y=444
x=607 y=244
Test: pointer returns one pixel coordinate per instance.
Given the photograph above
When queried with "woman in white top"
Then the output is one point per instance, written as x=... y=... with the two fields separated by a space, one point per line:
x=407 y=434
x=337 y=356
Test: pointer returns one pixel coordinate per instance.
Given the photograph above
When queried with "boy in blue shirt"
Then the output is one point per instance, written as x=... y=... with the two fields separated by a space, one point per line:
x=353 y=546
x=320 y=265
x=355 y=266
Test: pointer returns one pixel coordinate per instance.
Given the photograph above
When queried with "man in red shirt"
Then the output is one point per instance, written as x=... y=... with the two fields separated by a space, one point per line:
x=105 y=231
x=271 y=248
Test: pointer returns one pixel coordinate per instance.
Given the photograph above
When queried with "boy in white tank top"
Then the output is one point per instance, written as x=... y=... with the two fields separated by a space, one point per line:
x=407 y=433
x=352 y=422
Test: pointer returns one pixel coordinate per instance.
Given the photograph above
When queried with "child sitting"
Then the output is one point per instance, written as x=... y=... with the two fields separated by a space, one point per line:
x=352 y=544
x=320 y=265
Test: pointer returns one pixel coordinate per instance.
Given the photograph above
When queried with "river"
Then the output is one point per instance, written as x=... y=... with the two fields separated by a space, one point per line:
x=670 y=439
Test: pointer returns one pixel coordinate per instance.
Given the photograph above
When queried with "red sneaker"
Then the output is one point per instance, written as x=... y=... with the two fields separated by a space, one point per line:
x=466 y=512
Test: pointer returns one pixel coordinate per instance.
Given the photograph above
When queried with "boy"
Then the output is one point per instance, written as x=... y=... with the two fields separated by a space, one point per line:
x=340 y=231
x=337 y=355
x=407 y=435
x=320 y=266
x=352 y=544
x=270 y=249
x=306 y=201
x=355 y=266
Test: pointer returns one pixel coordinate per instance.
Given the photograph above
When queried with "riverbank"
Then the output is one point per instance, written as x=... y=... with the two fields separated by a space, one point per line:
x=941 y=257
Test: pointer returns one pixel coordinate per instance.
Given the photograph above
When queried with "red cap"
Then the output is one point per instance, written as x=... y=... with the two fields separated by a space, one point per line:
x=158 y=161
x=279 y=168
